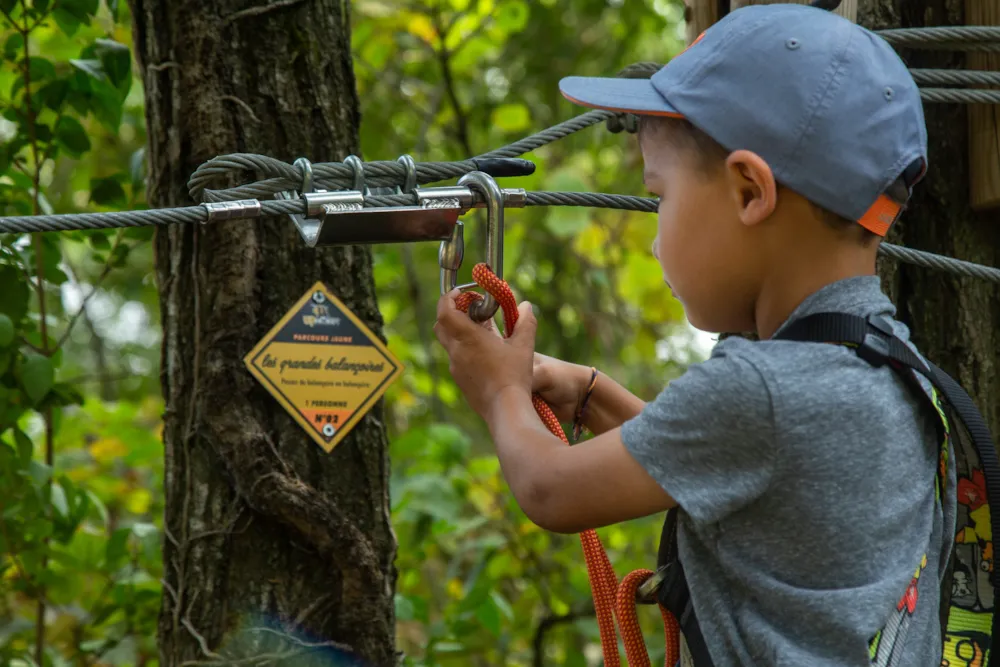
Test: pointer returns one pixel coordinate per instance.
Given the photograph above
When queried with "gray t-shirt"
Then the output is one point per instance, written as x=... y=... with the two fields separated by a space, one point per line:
x=806 y=482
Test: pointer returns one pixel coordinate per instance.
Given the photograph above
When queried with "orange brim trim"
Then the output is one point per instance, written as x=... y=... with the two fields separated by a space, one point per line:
x=880 y=216
x=666 y=114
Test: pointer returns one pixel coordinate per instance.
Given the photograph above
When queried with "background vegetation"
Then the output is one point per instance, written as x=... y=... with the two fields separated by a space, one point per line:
x=80 y=456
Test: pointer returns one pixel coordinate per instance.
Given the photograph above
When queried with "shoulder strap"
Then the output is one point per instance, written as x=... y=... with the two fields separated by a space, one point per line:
x=875 y=342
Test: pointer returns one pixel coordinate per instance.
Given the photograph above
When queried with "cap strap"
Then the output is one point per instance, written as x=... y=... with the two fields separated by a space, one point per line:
x=882 y=214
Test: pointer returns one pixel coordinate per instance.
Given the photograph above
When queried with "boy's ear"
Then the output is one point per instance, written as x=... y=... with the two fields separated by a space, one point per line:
x=753 y=186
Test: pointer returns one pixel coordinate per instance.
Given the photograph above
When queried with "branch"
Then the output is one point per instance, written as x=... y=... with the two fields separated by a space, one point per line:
x=97 y=284
x=257 y=11
x=240 y=103
x=550 y=622
x=444 y=58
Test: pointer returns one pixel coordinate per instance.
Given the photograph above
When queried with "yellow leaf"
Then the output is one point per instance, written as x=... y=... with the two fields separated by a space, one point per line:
x=107 y=449
x=592 y=241
x=511 y=117
x=455 y=588
x=422 y=27
x=138 y=501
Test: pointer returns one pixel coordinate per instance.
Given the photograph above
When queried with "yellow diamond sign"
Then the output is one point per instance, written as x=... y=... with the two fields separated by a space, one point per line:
x=323 y=365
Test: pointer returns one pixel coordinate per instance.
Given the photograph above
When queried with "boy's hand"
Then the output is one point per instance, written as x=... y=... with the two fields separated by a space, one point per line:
x=483 y=364
x=561 y=384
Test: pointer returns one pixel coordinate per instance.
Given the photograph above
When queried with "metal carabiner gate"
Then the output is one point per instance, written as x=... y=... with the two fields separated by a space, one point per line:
x=452 y=251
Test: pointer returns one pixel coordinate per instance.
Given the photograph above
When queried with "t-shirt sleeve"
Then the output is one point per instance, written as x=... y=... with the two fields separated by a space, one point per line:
x=708 y=438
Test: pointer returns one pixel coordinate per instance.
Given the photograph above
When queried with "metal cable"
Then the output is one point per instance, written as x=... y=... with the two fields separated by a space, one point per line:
x=931 y=260
x=960 y=96
x=278 y=176
x=948 y=77
x=960 y=38
x=551 y=134
x=199 y=214
x=69 y=221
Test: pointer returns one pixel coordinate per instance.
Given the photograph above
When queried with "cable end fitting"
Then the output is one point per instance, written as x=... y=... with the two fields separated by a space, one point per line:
x=231 y=210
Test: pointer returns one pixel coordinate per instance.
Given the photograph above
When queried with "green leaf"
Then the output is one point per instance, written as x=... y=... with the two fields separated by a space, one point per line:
x=82 y=8
x=8 y=5
x=404 y=608
x=117 y=547
x=72 y=136
x=37 y=376
x=58 y=499
x=116 y=61
x=6 y=331
x=512 y=16
x=14 y=295
x=137 y=167
x=54 y=94
x=25 y=448
x=13 y=46
x=97 y=504
x=502 y=605
x=119 y=256
x=67 y=394
x=92 y=68
x=39 y=473
x=98 y=241
x=41 y=69
x=67 y=21
x=107 y=192
x=489 y=616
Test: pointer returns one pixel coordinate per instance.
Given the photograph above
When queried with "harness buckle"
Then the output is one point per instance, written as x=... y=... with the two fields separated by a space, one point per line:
x=649 y=591
x=874 y=348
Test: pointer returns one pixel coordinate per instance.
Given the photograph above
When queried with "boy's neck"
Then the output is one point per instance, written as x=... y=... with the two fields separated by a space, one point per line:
x=791 y=282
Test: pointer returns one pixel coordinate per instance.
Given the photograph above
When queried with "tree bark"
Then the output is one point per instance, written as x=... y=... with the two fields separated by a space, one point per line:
x=272 y=546
x=955 y=321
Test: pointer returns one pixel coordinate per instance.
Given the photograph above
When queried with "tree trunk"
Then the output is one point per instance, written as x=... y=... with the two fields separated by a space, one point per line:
x=271 y=544
x=955 y=321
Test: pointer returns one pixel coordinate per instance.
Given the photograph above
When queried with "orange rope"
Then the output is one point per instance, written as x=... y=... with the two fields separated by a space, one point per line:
x=611 y=599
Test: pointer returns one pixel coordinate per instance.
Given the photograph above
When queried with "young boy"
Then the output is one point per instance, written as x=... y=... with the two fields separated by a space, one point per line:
x=805 y=476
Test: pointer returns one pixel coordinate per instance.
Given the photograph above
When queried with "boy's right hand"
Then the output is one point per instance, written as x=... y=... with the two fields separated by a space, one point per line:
x=561 y=384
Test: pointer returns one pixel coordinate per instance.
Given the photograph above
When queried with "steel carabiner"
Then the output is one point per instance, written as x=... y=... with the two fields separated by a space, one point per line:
x=452 y=251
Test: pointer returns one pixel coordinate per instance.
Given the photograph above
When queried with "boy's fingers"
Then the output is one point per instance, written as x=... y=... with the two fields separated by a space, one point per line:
x=451 y=322
x=524 y=332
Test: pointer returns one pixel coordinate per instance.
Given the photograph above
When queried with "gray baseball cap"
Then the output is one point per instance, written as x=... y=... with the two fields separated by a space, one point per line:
x=828 y=104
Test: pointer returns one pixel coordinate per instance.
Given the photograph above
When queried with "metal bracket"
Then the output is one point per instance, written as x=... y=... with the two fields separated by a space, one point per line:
x=340 y=217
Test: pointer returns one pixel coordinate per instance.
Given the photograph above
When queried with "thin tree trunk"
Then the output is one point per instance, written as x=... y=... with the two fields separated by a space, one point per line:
x=270 y=542
x=955 y=321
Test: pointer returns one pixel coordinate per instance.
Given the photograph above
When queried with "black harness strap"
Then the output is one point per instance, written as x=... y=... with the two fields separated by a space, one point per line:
x=874 y=341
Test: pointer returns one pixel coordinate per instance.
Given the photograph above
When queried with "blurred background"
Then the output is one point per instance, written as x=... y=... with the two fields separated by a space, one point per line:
x=438 y=80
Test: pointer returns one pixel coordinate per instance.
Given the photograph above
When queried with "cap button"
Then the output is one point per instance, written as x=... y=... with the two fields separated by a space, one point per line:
x=792 y=44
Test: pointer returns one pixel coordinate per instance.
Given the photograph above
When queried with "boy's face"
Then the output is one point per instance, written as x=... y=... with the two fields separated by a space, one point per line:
x=700 y=243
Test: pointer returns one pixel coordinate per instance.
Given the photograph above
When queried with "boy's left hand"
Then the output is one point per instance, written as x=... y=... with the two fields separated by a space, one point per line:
x=483 y=364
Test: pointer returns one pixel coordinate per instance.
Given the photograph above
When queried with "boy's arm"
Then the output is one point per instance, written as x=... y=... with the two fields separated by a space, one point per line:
x=707 y=443
x=610 y=406
x=568 y=489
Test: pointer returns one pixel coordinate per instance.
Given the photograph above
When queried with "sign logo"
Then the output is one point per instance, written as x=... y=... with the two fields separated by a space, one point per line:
x=324 y=366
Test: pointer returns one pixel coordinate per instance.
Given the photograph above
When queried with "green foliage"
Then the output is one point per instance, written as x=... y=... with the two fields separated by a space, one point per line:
x=78 y=518
x=81 y=475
